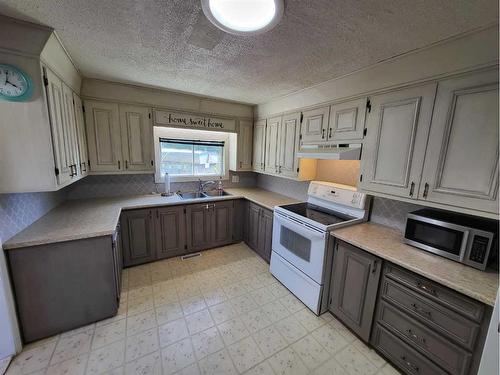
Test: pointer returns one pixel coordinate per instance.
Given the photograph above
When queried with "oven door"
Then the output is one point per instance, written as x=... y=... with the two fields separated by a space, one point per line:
x=301 y=245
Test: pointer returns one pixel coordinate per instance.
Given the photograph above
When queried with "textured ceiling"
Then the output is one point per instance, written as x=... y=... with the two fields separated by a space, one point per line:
x=170 y=44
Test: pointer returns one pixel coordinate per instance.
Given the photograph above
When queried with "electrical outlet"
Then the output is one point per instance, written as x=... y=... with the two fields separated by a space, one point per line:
x=235 y=178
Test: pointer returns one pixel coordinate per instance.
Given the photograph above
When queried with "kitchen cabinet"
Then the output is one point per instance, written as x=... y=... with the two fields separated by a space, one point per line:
x=394 y=147
x=241 y=155
x=170 y=228
x=461 y=162
x=314 y=125
x=63 y=128
x=259 y=230
x=347 y=121
x=209 y=225
x=354 y=286
x=272 y=145
x=136 y=138
x=62 y=286
x=259 y=145
x=104 y=136
x=138 y=237
x=83 y=164
x=289 y=144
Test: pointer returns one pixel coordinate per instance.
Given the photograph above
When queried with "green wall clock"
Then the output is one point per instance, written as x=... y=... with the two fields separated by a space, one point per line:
x=15 y=85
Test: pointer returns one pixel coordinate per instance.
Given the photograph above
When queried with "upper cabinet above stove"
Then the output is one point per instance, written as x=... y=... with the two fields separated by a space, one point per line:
x=440 y=149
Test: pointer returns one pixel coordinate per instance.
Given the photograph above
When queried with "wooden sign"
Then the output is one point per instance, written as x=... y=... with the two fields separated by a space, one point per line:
x=193 y=121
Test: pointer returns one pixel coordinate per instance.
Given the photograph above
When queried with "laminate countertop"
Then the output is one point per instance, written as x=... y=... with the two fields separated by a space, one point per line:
x=388 y=244
x=79 y=219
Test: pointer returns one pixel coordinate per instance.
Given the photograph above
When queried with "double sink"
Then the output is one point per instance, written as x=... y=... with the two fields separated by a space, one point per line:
x=202 y=194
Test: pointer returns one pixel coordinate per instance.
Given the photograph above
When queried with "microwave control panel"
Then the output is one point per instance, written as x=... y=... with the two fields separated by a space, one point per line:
x=479 y=248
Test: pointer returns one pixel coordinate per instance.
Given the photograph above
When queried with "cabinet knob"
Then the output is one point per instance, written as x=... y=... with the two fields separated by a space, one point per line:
x=330 y=133
x=323 y=133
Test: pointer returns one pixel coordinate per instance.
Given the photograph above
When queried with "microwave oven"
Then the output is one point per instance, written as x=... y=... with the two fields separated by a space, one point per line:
x=466 y=239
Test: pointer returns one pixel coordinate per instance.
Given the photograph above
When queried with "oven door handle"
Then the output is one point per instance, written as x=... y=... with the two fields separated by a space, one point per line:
x=300 y=228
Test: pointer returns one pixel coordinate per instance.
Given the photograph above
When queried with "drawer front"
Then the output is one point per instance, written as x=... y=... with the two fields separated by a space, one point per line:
x=403 y=356
x=464 y=305
x=447 y=322
x=446 y=354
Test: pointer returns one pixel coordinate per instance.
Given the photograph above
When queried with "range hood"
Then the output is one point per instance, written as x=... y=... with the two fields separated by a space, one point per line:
x=343 y=151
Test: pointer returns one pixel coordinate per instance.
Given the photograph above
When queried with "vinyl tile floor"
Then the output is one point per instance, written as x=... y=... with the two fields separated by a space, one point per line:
x=219 y=313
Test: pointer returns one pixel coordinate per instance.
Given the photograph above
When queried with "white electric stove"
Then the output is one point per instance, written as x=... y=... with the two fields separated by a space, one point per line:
x=302 y=258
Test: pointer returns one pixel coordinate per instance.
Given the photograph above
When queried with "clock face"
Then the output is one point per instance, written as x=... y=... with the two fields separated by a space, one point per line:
x=14 y=84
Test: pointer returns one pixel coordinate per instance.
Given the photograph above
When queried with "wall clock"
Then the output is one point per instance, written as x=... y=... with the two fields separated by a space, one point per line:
x=15 y=85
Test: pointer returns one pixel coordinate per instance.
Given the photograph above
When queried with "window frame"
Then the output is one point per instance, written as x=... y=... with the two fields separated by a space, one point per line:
x=190 y=134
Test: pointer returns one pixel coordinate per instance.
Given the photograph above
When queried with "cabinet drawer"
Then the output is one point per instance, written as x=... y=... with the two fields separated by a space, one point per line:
x=446 y=354
x=464 y=305
x=447 y=322
x=407 y=359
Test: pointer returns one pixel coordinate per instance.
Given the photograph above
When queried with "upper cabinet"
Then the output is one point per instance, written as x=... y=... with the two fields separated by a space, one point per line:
x=461 y=163
x=347 y=120
x=315 y=125
x=259 y=145
x=289 y=145
x=136 y=138
x=241 y=155
x=394 y=148
x=120 y=137
x=439 y=147
x=272 y=145
x=81 y=136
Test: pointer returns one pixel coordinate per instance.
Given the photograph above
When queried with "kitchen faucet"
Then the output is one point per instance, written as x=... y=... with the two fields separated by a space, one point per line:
x=202 y=185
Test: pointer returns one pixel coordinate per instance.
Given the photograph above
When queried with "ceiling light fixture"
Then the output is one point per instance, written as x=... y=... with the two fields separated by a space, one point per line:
x=243 y=17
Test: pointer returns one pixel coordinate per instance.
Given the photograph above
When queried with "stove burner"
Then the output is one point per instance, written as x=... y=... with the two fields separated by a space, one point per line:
x=316 y=213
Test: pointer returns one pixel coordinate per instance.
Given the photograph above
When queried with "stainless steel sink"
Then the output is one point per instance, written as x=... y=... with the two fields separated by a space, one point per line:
x=215 y=193
x=204 y=194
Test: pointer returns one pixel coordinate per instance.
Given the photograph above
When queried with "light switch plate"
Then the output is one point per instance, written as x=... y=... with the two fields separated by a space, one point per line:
x=235 y=178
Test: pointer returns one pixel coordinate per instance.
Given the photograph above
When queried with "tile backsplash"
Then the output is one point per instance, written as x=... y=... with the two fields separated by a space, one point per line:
x=290 y=188
x=136 y=184
x=391 y=213
x=17 y=211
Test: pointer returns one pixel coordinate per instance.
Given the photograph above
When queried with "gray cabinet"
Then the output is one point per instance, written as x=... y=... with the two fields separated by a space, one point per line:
x=354 y=287
x=138 y=237
x=170 y=228
x=394 y=148
x=259 y=230
x=209 y=225
x=461 y=162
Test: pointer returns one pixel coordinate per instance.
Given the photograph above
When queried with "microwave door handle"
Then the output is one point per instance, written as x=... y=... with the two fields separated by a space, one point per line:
x=464 y=246
x=298 y=227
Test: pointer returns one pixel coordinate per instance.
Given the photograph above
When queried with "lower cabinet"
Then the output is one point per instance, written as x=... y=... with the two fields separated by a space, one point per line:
x=138 y=228
x=259 y=230
x=170 y=231
x=354 y=287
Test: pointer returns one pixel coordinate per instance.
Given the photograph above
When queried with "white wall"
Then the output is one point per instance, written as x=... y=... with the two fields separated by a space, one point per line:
x=456 y=55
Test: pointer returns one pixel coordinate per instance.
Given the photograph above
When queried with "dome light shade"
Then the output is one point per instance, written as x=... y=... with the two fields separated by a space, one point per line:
x=243 y=17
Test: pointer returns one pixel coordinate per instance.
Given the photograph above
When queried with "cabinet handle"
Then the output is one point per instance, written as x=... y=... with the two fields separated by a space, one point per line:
x=409 y=364
x=412 y=188
x=119 y=165
x=280 y=169
x=413 y=336
x=206 y=206
x=374 y=266
x=323 y=133
x=421 y=311
x=330 y=133
x=126 y=164
x=241 y=164
x=426 y=190
x=426 y=288
x=85 y=165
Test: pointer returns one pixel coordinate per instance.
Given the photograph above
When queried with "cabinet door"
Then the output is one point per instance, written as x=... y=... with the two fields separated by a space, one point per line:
x=259 y=142
x=347 y=120
x=265 y=234
x=289 y=145
x=103 y=136
x=72 y=140
x=394 y=148
x=170 y=231
x=244 y=144
x=138 y=237
x=253 y=218
x=136 y=138
x=461 y=163
x=314 y=125
x=199 y=227
x=355 y=278
x=272 y=145
x=222 y=223
x=81 y=136
x=59 y=128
